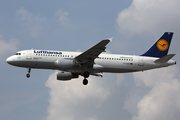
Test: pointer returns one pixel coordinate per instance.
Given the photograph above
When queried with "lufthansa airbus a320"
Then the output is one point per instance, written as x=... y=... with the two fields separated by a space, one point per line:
x=71 y=65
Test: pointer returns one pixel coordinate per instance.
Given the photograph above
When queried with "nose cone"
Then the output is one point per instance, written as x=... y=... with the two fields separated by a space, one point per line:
x=9 y=60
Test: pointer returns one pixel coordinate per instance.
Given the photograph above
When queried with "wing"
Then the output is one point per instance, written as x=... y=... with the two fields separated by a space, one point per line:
x=92 y=53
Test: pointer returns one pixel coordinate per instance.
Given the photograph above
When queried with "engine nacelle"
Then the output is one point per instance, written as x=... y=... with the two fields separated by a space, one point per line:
x=64 y=64
x=64 y=76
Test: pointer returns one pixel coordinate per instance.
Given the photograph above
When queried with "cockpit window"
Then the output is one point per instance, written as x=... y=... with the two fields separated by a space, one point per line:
x=18 y=54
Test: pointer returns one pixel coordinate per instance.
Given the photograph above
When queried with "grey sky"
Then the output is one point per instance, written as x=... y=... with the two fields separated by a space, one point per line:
x=76 y=26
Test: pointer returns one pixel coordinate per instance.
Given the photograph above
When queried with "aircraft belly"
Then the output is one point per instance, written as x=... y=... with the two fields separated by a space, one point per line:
x=115 y=67
x=35 y=64
x=114 y=70
x=45 y=65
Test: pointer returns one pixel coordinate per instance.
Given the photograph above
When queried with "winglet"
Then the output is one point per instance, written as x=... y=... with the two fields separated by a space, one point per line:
x=111 y=39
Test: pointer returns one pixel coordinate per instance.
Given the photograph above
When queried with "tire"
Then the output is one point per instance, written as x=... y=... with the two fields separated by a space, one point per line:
x=85 y=82
x=86 y=74
x=28 y=75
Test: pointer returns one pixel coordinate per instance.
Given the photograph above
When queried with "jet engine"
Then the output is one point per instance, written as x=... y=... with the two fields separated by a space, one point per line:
x=64 y=76
x=64 y=64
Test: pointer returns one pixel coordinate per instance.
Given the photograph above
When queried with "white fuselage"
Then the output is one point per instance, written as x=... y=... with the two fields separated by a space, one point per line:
x=114 y=63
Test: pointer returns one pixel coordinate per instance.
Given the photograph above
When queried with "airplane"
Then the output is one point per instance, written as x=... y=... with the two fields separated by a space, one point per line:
x=71 y=65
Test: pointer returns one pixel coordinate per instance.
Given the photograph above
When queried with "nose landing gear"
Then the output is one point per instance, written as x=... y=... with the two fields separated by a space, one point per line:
x=28 y=74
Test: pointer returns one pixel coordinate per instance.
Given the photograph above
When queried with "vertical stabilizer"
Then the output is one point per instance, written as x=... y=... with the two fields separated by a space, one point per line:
x=161 y=47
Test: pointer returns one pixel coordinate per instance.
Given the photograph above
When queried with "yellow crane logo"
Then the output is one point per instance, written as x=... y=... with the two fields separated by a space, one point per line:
x=162 y=45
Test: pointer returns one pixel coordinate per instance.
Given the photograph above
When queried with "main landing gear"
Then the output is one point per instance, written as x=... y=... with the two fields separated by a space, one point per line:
x=86 y=75
x=28 y=74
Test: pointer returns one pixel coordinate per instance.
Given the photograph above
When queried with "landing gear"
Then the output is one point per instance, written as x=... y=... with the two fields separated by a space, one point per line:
x=86 y=75
x=28 y=74
x=85 y=81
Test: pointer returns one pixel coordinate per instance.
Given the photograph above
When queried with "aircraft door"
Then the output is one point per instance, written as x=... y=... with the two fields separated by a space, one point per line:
x=141 y=61
x=29 y=54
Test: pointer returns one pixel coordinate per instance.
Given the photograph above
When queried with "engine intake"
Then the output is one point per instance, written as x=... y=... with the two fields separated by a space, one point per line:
x=64 y=76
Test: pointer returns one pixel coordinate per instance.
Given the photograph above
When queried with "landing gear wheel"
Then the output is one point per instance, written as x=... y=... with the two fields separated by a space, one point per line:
x=85 y=81
x=86 y=74
x=28 y=75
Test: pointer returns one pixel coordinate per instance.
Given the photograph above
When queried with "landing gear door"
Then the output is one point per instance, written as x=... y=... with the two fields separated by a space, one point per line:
x=29 y=54
x=141 y=61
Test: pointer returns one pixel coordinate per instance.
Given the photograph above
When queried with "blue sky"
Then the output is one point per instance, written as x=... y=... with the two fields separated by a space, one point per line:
x=76 y=26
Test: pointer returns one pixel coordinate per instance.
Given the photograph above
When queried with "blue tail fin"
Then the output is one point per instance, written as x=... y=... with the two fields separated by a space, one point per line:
x=161 y=47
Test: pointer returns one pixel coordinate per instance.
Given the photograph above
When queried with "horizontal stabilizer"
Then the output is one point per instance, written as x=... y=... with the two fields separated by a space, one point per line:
x=164 y=59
